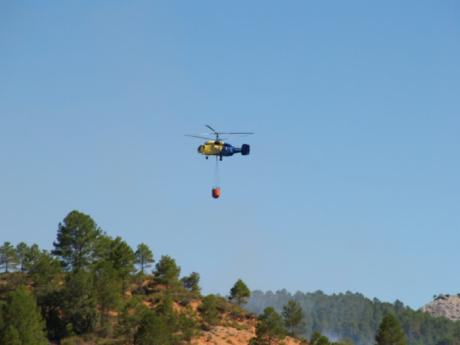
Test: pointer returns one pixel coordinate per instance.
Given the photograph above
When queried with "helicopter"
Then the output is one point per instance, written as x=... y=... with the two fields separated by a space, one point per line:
x=217 y=147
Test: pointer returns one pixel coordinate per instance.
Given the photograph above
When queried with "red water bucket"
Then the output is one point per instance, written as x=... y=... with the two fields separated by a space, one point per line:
x=216 y=192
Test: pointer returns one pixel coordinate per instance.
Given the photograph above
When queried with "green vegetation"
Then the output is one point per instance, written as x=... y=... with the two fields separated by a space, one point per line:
x=144 y=257
x=8 y=257
x=390 y=332
x=130 y=319
x=240 y=293
x=357 y=318
x=167 y=272
x=21 y=254
x=153 y=330
x=117 y=255
x=319 y=339
x=208 y=310
x=293 y=317
x=191 y=282
x=87 y=290
x=22 y=322
x=164 y=326
x=76 y=241
x=32 y=256
x=270 y=328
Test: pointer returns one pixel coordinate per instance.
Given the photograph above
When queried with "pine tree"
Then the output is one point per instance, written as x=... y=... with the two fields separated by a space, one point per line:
x=240 y=292
x=191 y=282
x=130 y=318
x=31 y=256
x=122 y=258
x=390 y=332
x=8 y=257
x=144 y=256
x=11 y=336
x=166 y=309
x=293 y=317
x=52 y=304
x=270 y=327
x=44 y=270
x=319 y=339
x=153 y=330
x=167 y=272
x=21 y=253
x=79 y=302
x=76 y=241
x=22 y=319
x=108 y=291
x=208 y=310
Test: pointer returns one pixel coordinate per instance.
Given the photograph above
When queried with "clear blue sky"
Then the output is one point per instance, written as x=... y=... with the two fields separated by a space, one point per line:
x=353 y=181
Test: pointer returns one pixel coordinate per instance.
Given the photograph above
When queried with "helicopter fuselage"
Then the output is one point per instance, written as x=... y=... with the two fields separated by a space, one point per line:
x=221 y=149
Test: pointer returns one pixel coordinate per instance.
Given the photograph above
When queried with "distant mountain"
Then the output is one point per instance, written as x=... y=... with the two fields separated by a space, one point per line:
x=447 y=306
x=353 y=316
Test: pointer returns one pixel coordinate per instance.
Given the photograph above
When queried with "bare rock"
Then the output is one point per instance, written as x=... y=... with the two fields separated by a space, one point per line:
x=447 y=306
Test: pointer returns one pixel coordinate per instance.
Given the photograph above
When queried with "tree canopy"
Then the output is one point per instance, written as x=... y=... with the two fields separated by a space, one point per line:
x=208 y=309
x=153 y=330
x=119 y=255
x=88 y=286
x=81 y=289
x=240 y=292
x=353 y=316
x=270 y=327
x=390 y=332
x=293 y=317
x=144 y=257
x=8 y=257
x=191 y=282
x=76 y=241
x=21 y=252
x=22 y=320
x=167 y=272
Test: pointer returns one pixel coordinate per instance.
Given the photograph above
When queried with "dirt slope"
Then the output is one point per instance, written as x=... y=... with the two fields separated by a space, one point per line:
x=229 y=335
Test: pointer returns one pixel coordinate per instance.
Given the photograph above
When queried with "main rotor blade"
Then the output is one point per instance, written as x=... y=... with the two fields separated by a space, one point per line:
x=212 y=129
x=236 y=133
x=198 y=136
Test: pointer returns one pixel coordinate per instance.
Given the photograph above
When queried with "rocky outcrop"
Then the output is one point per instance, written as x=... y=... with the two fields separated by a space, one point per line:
x=447 y=306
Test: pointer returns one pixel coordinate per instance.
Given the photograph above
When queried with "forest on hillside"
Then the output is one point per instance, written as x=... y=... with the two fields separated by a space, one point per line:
x=93 y=289
x=353 y=316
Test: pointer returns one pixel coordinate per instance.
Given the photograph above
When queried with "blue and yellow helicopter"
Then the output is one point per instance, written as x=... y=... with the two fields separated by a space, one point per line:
x=217 y=147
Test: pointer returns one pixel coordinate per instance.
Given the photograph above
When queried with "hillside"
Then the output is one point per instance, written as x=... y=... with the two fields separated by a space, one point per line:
x=92 y=289
x=232 y=325
x=353 y=316
x=447 y=306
